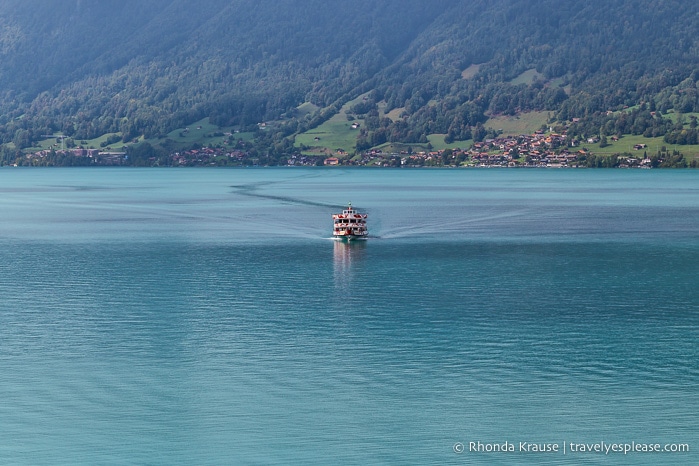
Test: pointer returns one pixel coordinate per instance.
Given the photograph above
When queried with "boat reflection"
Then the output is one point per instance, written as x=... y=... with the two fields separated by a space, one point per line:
x=346 y=256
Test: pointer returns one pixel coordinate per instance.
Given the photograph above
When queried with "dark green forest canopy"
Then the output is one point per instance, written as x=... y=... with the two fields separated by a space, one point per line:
x=92 y=67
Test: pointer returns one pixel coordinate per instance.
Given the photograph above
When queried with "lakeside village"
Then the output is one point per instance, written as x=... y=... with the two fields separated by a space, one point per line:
x=550 y=150
x=538 y=150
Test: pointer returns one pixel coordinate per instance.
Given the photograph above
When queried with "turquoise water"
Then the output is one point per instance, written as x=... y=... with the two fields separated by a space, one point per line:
x=205 y=317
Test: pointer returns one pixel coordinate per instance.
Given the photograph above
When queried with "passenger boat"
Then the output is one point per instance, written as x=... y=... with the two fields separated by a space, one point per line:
x=349 y=225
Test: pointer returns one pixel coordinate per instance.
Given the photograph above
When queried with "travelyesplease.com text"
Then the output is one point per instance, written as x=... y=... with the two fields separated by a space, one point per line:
x=566 y=447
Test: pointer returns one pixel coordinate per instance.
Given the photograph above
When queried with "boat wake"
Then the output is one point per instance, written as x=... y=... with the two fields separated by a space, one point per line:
x=453 y=227
x=287 y=199
x=383 y=227
x=253 y=190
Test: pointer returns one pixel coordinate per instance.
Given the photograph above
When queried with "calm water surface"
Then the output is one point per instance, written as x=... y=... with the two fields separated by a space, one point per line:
x=205 y=317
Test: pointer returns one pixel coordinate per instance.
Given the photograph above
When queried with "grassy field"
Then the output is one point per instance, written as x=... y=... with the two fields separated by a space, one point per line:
x=201 y=132
x=306 y=109
x=525 y=123
x=556 y=82
x=336 y=133
x=435 y=140
x=674 y=116
x=528 y=77
x=470 y=72
x=46 y=144
x=395 y=114
x=626 y=143
x=55 y=143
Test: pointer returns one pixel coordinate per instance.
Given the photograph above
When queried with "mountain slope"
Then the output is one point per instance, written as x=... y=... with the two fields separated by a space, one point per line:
x=90 y=67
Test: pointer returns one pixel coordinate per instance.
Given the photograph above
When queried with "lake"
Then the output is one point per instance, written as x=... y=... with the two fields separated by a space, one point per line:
x=205 y=316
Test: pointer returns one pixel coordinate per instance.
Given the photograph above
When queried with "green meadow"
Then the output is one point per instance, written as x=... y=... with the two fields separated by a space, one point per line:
x=528 y=77
x=336 y=133
x=306 y=108
x=524 y=123
x=96 y=143
x=202 y=132
x=674 y=116
x=470 y=72
x=627 y=143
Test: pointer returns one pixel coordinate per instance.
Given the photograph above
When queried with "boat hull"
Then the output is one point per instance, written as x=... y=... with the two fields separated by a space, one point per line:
x=349 y=237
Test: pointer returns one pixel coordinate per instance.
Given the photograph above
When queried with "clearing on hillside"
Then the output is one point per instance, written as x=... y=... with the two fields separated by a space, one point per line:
x=338 y=133
x=470 y=72
x=524 y=123
x=528 y=77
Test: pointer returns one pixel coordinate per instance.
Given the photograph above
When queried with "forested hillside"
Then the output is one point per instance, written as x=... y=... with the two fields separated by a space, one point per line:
x=85 y=68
